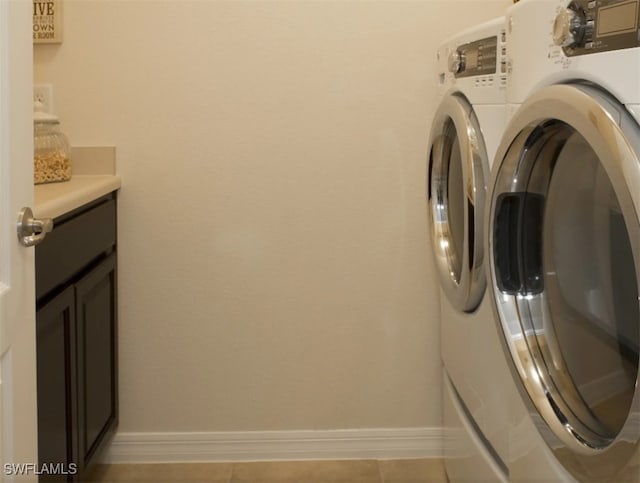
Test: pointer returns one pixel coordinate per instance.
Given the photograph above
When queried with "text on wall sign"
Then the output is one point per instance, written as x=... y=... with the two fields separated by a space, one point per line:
x=47 y=21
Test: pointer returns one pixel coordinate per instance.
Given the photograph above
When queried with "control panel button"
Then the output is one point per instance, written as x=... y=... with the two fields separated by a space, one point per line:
x=567 y=28
x=456 y=62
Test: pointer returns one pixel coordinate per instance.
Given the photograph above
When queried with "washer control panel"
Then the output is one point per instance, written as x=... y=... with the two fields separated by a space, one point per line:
x=475 y=58
x=590 y=26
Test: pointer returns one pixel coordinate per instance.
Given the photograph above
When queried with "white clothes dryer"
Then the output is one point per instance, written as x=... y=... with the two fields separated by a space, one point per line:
x=563 y=239
x=465 y=132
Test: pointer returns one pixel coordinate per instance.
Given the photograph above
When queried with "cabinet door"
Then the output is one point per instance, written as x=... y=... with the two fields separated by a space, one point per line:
x=97 y=359
x=55 y=339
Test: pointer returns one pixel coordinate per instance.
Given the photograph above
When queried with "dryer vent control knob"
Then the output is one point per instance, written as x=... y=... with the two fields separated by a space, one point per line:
x=456 y=62
x=568 y=28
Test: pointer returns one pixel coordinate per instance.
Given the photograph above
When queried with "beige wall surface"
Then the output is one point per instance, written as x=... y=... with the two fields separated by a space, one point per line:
x=275 y=270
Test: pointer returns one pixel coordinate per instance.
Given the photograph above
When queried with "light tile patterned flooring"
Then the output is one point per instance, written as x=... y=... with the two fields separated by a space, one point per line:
x=342 y=471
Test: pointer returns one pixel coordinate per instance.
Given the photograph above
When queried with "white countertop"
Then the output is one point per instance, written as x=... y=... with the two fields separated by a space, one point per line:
x=54 y=199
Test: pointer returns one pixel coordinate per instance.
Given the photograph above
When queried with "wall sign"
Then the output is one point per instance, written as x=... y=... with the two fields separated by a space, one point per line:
x=47 y=21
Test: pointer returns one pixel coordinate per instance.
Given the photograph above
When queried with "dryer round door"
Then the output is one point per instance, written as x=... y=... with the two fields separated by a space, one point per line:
x=564 y=267
x=456 y=188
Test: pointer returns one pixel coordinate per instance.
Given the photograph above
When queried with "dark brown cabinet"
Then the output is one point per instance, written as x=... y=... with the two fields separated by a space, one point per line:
x=76 y=336
x=55 y=336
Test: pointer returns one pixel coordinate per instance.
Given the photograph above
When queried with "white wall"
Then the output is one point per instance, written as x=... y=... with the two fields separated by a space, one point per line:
x=275 y=269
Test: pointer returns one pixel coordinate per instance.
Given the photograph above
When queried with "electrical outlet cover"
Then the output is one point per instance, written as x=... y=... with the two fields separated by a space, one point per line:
x=44 y=93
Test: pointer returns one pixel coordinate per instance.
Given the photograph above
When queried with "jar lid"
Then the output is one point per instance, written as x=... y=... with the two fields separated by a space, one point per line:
x=39 y=115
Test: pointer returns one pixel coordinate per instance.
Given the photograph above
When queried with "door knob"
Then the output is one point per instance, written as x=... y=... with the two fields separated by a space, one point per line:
x=32 y=231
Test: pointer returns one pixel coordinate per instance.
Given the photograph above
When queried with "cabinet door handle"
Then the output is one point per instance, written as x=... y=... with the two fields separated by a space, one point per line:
x=32 y=231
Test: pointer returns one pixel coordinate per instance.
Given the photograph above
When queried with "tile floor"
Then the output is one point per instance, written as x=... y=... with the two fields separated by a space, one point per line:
x=342 y=471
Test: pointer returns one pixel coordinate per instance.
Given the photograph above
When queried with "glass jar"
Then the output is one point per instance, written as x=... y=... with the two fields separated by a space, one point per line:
x=51 y=160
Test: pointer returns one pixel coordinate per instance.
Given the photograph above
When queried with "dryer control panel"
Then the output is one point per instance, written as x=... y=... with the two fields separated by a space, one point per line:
x=475 y=58
x=590 y=26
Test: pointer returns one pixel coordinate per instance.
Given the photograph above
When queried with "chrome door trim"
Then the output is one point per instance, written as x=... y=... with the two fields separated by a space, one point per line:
x=466 y=290
x=615 y=138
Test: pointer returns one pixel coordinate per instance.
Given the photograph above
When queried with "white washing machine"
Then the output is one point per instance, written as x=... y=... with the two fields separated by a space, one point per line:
x=465 y=133
x=563 y=240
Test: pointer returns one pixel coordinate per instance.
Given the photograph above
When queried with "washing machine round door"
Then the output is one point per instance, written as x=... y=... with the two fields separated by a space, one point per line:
x=456 y=187
x=563 y=239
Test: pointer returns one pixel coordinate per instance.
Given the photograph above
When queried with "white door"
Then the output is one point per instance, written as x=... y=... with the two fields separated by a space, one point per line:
x=456 y=185
x=564 y=271
x=18 y=414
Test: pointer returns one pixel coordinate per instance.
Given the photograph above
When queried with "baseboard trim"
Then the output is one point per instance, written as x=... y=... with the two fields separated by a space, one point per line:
x=275 y=445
